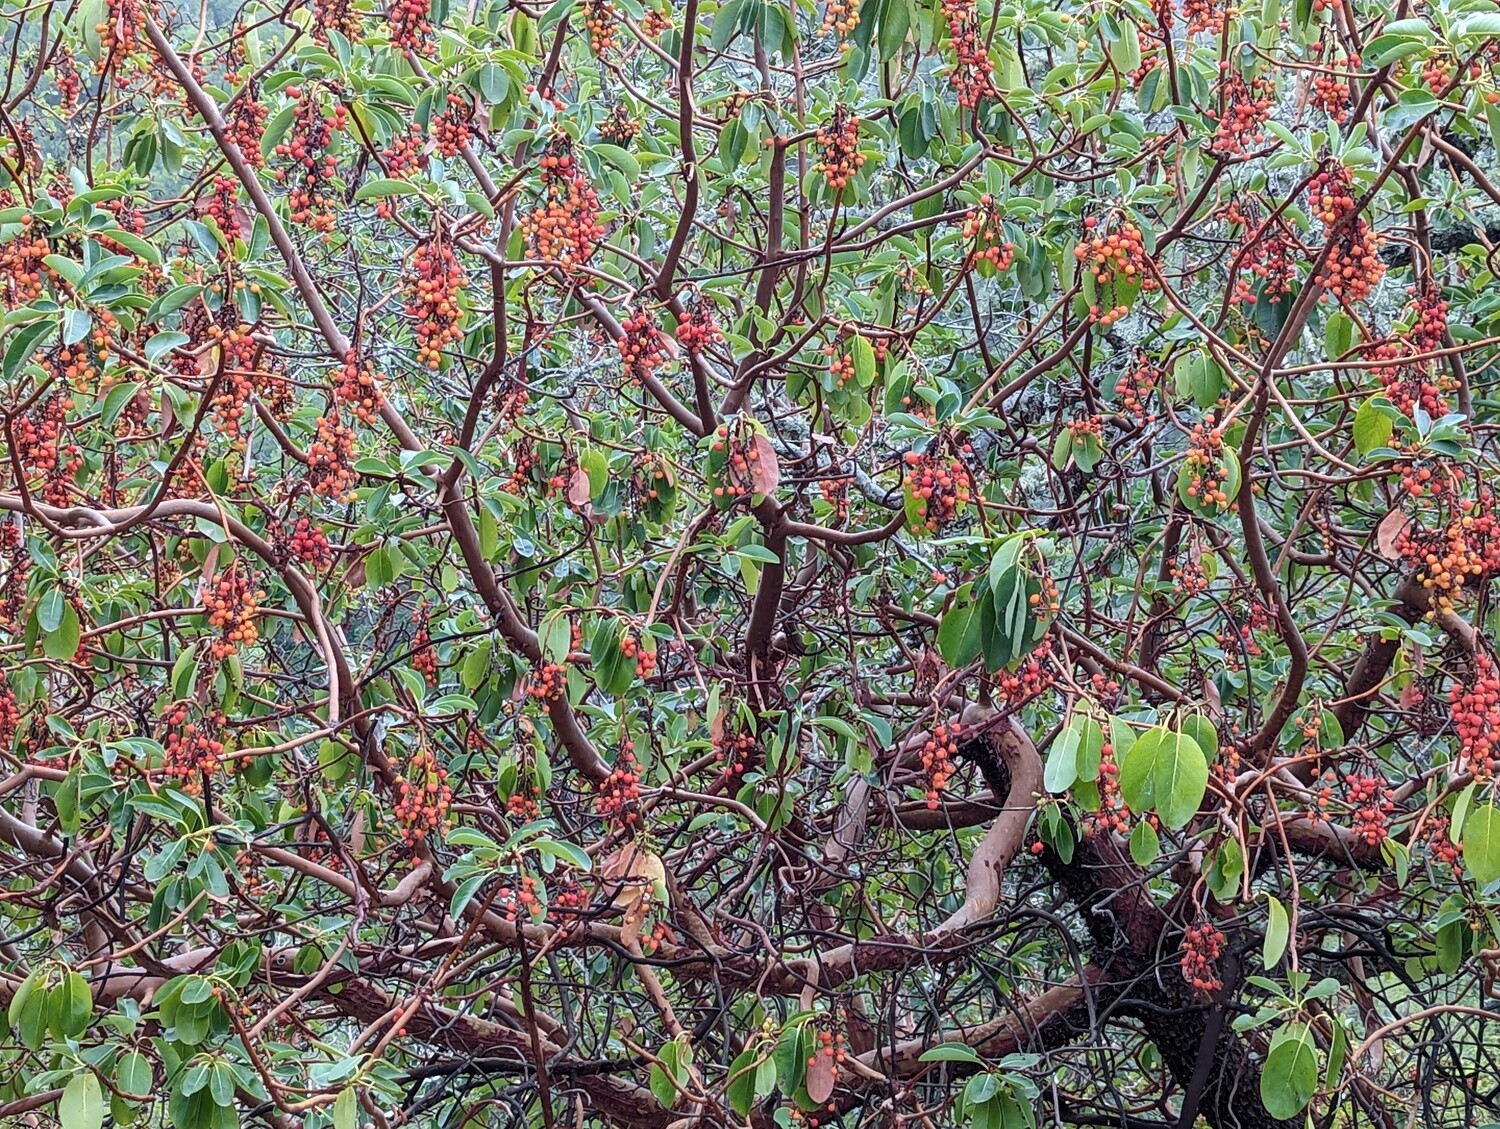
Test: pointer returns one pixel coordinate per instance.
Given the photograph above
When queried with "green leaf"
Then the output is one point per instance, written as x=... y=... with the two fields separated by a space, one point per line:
x=1165 y=772
x=82 y=1103
x=381 y=188
x=1372 y=427
x=1145 y=843
x=346 y=1109
x=959 y=638
x=864 y=361
x=70 y=1006
x=1278 y=930
x=952 y=1052
x=133 y=1075
x=24 y=342
x=62 y=644
x=49 y=609
x=1290 y=1076
x=1481 y=843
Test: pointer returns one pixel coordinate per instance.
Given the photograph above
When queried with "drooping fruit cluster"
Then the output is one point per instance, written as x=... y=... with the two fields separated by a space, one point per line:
x=618 y=127
x=1113 y=814
x=840 y=364
x=1237 y=639
x=191 y=748
x=339 y=16
x=15 y=563
x=939 y=486
x=1476 y=718
x=1247 y=106
x=120 y=33
x=1441 y=847
x=330 y=457
x=450 y=129
x=22 y=269
x=1135 y=387
x=433 y=287
x=43 y=452
x=1353 y=266
x=1370 y=798
x=358 y=386
x=984 y=229
x=1330 y=91
x=1186 y=571
x=1115 y=259
x=645 y=657
x=10 y=716
x=66 y=78
x=308 y=545
x=1463 y=549
x=1034 y=676
x=410 y=27
x=564 y=227
x=424 y=658
x=1204 y=465
x=223 y=207
x=549 y=682
x=839 y=157
x=1269 y=255
x=696 y=329
x=424 y=797
x=748 y=459
x=618 y=799
x=311 y=167
x=232 y=601
x=937 y=759
x=602 y=21
x=738 y=751
x=840 y=17
x=406 y=153
x=245 y=123
x=835 y=493
x=1203 y=16
x=1202 y=945
x=973 y=75
x=642 y=346
x=1418 y=382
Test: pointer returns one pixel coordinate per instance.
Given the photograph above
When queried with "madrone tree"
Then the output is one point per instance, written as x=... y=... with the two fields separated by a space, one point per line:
x=670 y=564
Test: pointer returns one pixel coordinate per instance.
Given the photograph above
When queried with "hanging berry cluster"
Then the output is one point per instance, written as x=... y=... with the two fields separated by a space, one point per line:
x=747 y=458
x=936 y=756
x=840 y=17
x=339 y=16
x=618 y=127
x=22 y=269
x=1203 y=16
x=642 y=346
x=222 y=206
x=410 y=26
x=192 y=749
x=1202 y=945
x=618 y=799
x=645 y=657
x=1115 y=259
x=696 y=329
x=66 y=78
x=602 y=21
x=973 y=75
x=835 y=494
x=549 y=682
x=1209 y=481
x=120 y=33
x=433 y=288
x=1418 y=383
x=330 y=457
x=1135 y=388
x=739 y=752
x=10 y=717
x=1112 y=813
x=1033 y=677
x=938 y=487
x=245 y=123
x=1462 y=548
x=423 y=798
x=308 y=545
x=564 y=227
x=358 y=387
x=1268 y=254
x=1352 y=268
x=984 y=229
x=450 y=129
x=15 y=564
x=1371 y=804
x=839 y=157
x=1475 y=709
x=232 y=601
x=1246 y=108
x=424 y=657
x=42 y=451
x=1330 y=90
x=312 y=167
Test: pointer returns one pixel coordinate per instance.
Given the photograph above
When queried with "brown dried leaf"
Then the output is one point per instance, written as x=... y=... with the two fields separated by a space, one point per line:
x=1389 y=532
x=579 y=489
x=765 y=471
x=822 y=1075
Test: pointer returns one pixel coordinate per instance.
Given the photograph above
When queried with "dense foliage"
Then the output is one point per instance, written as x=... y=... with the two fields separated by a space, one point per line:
x=880 y=562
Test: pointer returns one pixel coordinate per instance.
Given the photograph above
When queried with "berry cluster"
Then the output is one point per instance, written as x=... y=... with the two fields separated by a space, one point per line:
x=549 y=683
x=738 y=751
x=120 y=33
x=450 y=129
x=1033 y=677
x=410 y=27
x=245 y=122
x=840 y=17
x=619 y=795
x=1113 y=259
x=618 y=127
x=16 y=563
x=1372 y=805
x=937 y=759
x=406 y=153
x=22 y=269
x=1247 y=106
x=696 y=329
x=1269 y=255
x=308 y=545
x=10 y=716
x=336 y=15
x=1203 y=16
x=564 y=227
x=1204 y=465
x=1187 y=573
x=518 y=899
x=939 y=485
x=1418 y=383
x=1353 y=267
x=645 y=658
x=839 y=157
x=740 y=444
x=232 y=601
x=1442 y=848
x=983 y=227
x=424 y=657
x=192 y=749
x=42 y=450
x=223 y=207
x=330 y=473
x=66 y=77
x=1330 y=91
x=1464 y=549
x=1202 y=945
x=432 y=296
x=602 y=21
x=973 y=75
x=1476 y=718
x=312 y=166
x=1135 y=387
x=835 y=493
x=424 y=797
x=1112 y=815
x=358 y=386
x=840 y=365
x=642 y=346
